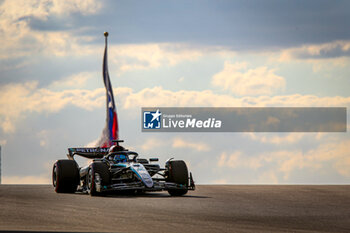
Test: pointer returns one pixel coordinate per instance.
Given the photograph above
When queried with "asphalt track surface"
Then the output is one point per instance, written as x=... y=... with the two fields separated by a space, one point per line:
x=211 y=208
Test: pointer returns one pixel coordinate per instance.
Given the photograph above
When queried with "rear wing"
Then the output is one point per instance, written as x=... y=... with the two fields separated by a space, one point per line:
x=87 y=152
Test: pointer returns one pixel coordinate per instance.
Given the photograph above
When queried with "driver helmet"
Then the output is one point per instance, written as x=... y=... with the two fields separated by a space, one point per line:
x=116 y=148
x=120 y=158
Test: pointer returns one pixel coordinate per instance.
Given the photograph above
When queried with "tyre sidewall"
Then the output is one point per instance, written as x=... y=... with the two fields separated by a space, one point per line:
x=65 y=176
x=177 y=173
x=91 y=181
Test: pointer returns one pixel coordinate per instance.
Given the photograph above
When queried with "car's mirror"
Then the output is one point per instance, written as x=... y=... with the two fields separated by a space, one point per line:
x=153 y=159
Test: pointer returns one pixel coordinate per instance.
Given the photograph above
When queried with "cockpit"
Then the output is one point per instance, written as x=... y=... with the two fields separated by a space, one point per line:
x=120 y=158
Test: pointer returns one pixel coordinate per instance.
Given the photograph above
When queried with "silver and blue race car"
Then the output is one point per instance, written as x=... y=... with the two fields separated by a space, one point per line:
x=118 y=169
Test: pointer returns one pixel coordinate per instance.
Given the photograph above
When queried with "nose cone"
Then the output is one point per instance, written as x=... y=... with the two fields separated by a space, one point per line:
x=143 y=175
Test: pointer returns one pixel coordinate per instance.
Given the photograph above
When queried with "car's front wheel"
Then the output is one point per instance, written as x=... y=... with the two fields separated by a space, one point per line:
x=97 y=169
x=177 y=173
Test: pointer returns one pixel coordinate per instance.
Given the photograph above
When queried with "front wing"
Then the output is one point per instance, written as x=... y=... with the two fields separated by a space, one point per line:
x=139 y=185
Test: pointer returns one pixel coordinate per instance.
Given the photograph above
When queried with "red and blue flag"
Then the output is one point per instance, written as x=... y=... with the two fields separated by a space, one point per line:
x=111 y=130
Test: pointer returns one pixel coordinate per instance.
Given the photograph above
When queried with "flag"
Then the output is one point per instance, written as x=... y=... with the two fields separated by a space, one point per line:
x=111 y=130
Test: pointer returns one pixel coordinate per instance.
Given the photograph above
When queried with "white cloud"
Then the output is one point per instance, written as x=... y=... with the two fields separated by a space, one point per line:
x=153 y=55
x=84 y=7
x=317 y=51
x=74 y=81
x=207 y=98
x=279 y=165
x=161 y=97
x=238 y=160
x=151 y=143
x=150 y=56
x=197 y=146
x=18 y=39
x=41 y=9
x=327 y=65
x=242 y=81
x=289 y=138
x=272 y=138
x=17 y=100
x=268 y=177
x=7 y=124
x=129 y=57
x=229 y=160
x=283 y=162
x=335 y=153
x=324 y=58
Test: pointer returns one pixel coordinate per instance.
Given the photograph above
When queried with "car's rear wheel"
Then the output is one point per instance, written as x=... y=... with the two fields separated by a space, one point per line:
x=177 y=173
x=65 y=176
x=102 y=170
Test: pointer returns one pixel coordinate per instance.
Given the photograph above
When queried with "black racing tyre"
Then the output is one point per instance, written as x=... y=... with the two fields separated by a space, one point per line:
x=103 y=170
x=65 y=176
x=177 y=173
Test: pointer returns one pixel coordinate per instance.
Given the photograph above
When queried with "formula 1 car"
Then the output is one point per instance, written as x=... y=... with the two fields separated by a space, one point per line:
x=118 y=169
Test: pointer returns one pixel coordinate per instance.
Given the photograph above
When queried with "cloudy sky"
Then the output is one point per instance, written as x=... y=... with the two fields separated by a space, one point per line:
x=174 y=54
